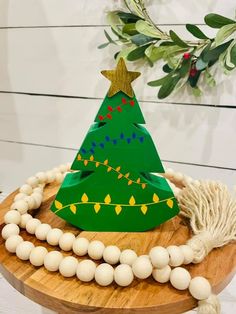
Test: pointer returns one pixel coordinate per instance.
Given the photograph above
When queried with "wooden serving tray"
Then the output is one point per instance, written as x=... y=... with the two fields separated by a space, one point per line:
x=72 y=296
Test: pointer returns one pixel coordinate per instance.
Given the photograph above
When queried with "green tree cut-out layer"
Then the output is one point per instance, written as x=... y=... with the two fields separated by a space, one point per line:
x=113 y=187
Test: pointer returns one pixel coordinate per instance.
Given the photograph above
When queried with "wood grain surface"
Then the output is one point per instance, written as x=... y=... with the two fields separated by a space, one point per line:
x=72 y=296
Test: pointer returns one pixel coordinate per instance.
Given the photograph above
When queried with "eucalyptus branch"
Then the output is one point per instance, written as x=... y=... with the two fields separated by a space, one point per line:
x=186 y=60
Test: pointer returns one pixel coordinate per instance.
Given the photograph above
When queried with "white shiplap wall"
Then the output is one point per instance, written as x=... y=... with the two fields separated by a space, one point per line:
x=51 y=89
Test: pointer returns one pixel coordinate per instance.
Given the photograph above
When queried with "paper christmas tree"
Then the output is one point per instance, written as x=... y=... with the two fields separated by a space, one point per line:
x=114 y=189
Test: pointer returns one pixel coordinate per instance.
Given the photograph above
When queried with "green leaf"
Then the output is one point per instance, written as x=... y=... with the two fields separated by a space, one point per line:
x=173 y=51
x=213 y=54
x=166 y=68
x=124 y=53
x=179 y=42
x=195 y=31
x=217 y=21
x=155 y=53
x=127 y=17
x=109 y=37
x=140 y=39
x=137 y=53
x=196 y=91
x=209 y=79
x=200 y=64
x=167 y=43
x=146 y=29
x=103 y=45
x=114 y=21
x=185 y=68
x=160 y=81
x=233 y=55
x=168 y=87
x=224 y=32
x=129 y=29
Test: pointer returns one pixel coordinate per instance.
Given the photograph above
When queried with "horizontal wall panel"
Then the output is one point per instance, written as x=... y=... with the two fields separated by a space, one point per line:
x=66 y=61
x=201 y=135
x=18 y=162
x=85 y=12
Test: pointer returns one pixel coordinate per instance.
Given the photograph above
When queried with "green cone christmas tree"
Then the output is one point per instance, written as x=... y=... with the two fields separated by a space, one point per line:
x=114 y=189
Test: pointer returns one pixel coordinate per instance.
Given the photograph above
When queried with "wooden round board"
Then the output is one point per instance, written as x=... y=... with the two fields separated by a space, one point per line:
x=72 y=296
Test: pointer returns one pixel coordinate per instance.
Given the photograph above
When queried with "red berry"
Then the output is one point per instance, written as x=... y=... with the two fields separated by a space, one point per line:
x=119 y=109
x=193 y=72
x=109 y=108
x=131 y=103
x=186 y=55
x=123 y=100
x=101 y=118
x=109 y=116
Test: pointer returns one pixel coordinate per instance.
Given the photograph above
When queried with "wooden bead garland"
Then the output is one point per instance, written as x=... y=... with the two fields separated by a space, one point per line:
x=23 y=250
x=86 y=270
x=37 y=255
x=30 y=197
x=12 y=243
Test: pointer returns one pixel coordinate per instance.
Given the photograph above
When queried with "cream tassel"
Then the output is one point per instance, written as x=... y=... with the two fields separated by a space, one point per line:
x=209 y=306
x=212 y=213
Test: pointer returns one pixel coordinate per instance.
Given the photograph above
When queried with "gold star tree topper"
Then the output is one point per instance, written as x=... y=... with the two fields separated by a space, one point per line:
x=120 y=79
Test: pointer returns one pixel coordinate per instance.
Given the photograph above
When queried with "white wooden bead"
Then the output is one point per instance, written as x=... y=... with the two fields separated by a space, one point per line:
x=12 y=216
x=128 y=257
x=200 y=288
x=54 y=236
x=22 y=206
x=142 y=267
x=59 y=177
x=24 y=219
x=66 y=241
x=123 y=275
x=56 y=169
x=104 y=274
x=12 y=242
x=9 y=230
x=111 y=254
x=19 y=196
x=38 y=189
x=176 y=255
x=180 y=278
x=37 y=198
x=145 y=256
x=188 y=253
x=30 y=201
x=95 y=249
x=178 y=176
x=42 y=231
x=41 y=176
x=52 y=260
x=33 y=181
x=80 y=246
x=32 y=224
x=50 y=176
x=159 y=256
x=86 y=270
x=63 y=168
x=24 y=249
x=68 y=266
x=27 y=189
x=162 y=275
x=169 y=172
x=37 y=255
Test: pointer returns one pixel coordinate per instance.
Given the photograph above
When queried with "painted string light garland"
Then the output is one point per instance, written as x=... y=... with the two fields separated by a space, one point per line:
x=196 y=200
